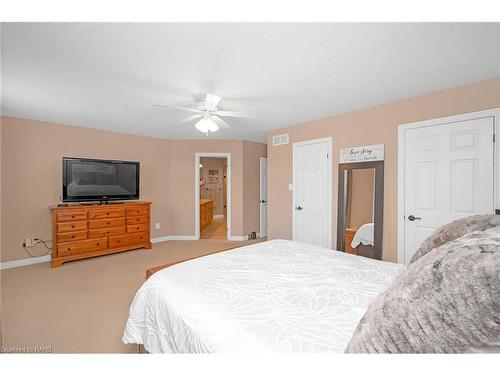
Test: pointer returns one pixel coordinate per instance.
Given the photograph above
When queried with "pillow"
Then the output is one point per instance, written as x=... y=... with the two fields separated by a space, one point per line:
x=454 y=230
x=446 y=302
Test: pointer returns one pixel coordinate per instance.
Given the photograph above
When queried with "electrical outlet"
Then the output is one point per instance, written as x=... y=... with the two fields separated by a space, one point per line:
x=157 y=225
x=29 y=242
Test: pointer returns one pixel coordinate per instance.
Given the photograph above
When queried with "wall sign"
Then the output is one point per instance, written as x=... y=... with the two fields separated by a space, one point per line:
x=362 y=154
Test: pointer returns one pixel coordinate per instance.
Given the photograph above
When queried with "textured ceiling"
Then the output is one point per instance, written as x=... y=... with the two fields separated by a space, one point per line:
x=108 y=76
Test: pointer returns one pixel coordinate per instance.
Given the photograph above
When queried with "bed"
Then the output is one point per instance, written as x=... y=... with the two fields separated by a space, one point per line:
x=275 y=296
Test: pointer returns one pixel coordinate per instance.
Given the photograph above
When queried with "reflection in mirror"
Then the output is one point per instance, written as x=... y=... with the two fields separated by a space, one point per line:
x=360 y=208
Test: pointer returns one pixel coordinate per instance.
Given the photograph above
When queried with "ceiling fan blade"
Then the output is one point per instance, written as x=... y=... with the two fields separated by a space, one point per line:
x=190 y=118
x=212 y=101
x=220 y=122
x=234 y=114
x=171 y=106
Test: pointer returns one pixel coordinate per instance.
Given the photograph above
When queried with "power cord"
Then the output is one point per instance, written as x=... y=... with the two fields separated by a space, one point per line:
x=37 y=241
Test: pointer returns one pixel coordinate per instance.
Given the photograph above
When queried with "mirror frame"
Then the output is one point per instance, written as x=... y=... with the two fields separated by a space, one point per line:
x=378 y=208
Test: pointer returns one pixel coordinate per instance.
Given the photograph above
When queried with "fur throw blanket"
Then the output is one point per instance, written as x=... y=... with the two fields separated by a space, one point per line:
x=454 y=230
x=447 y=301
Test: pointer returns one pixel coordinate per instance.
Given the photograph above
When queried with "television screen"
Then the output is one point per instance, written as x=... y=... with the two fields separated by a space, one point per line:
x=99 y=180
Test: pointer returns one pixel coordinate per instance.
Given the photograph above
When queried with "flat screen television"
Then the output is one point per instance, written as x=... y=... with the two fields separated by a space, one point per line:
x=99 y=180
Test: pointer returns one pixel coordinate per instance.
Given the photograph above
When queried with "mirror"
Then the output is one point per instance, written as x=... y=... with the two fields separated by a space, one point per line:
x=360 y=209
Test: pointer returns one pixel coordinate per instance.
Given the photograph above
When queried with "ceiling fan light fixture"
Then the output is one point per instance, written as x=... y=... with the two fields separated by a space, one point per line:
x=206 y=126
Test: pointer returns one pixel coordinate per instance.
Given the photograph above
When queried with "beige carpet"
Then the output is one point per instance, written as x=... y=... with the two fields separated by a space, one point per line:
x=82 y=306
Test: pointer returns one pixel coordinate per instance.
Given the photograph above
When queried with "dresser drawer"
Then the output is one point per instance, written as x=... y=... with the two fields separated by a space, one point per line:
x=137 y=211
x=104 y=214
x=74 y=226
x=72 y=236
x=81 y=247
x=137 y=220
x=106 y=232
x=73 y=215
x=128 y=239
x=137 y=228
x=106 y=223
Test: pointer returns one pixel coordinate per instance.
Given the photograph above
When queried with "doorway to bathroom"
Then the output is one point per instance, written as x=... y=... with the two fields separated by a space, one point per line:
x=213 y=195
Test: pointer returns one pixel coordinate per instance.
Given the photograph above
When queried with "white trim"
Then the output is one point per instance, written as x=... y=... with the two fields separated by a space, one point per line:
x=197 y=157
x=329 y=195
x=237 y=238
x=46 y=258
x=402 y=128
x=24 y=262
x=261 y=228
x=221 y=216
x=173 y=238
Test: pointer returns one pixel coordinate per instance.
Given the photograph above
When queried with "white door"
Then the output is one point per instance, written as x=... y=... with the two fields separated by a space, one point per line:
x=449 y=175
x=263 y=197
x=312 y=192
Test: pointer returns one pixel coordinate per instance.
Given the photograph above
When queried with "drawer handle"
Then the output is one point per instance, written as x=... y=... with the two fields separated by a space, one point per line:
x=73 y=216
x=107 y=213
x=118 y=241
x=72 y=236
x=72 y=226
x=138 y=228
x=69 y=248
x=108 y=223
x=98 y=244
x=107 y=232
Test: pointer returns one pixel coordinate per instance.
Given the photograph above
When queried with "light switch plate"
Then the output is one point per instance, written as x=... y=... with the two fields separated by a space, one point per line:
x=157 y=225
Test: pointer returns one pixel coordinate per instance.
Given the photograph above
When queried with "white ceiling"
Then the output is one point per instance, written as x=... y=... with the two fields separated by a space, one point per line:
x=108 y=76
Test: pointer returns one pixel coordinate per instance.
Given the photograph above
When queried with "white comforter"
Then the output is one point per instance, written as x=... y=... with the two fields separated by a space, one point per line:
x=275 y=296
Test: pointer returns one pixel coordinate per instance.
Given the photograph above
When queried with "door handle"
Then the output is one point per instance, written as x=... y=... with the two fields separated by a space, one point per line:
x=298 y=208
x=413 y=218
x=263 y=201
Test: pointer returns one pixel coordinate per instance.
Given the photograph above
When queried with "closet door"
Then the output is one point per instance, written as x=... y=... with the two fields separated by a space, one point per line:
x=448 y=175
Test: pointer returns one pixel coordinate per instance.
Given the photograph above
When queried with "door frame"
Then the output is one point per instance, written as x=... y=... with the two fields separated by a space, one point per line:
x=403 y=128
x=261 y=231
x=197 y=157
x=329 y=194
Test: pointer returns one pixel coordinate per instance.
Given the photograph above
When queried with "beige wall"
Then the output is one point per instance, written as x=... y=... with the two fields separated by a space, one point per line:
x=368 y=126
x=182 y=161
x=361 y=197
x=32 y=174
x=31 y=154
x=181 y=196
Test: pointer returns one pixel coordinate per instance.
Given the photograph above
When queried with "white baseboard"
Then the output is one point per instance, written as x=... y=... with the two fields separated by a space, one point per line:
x=238 y=238
x=173 y=238
x=24 y=262
x=221 y=216
x=46 y=258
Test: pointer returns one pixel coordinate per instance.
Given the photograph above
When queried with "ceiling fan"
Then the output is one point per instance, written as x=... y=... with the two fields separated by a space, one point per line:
x=210 y=117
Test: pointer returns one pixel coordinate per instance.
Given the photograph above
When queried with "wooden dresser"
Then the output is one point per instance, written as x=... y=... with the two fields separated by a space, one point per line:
x=349 y=235
x=84 y=231
x=206 y=213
